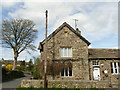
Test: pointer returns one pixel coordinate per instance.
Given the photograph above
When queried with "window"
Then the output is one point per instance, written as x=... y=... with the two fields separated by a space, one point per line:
x=95 y=62
x=119 y=66
x=111 y=68
x=115 y=67
x=62 y=72
x=66 y=52
x=66 y=72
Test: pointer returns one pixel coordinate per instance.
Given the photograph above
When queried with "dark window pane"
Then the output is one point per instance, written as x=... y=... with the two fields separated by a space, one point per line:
x=118 y=64
x=93 y=62
x=115 y=64
x=115 y=70
x=62 y=72
x=66 y=72
x=111 y=70
x=70 y=71
x=111 y=65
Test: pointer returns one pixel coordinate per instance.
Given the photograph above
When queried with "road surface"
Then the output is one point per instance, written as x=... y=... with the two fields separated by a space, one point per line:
x=14 y=83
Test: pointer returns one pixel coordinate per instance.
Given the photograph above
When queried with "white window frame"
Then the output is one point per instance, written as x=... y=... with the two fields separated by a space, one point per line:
x=67 y=52
x=67 y=73
x=96 y=61
x=117 y=67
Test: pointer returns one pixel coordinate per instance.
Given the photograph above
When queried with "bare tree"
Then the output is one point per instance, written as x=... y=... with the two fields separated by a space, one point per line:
x=18 y=34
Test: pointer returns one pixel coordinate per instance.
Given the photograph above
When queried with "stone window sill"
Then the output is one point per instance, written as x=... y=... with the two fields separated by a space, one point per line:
x=66 y=76
x=65 y=57
x=96 y=65
x=115 y=73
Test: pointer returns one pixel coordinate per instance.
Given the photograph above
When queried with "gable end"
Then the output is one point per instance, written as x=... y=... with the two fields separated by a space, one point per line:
x=60 y=28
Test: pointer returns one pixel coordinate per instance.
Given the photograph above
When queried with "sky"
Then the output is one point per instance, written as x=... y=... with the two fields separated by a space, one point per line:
x=97 y=21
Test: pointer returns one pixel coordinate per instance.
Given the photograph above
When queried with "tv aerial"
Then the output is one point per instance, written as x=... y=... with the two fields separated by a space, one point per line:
x=75 y=23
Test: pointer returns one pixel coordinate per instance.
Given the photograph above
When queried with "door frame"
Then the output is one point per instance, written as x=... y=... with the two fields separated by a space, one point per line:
x=98 y=72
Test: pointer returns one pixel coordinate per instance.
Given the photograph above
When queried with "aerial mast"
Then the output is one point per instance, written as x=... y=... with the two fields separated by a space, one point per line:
x=75 y=23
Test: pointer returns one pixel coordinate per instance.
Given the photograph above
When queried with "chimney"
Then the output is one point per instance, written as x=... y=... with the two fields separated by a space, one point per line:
x=78 y=31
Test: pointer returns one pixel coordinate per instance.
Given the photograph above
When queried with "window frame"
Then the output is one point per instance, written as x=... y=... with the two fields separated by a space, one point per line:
x=68 y=72
x=96 y=63
x=115 y=68
x=119 y=67
x=62 y=52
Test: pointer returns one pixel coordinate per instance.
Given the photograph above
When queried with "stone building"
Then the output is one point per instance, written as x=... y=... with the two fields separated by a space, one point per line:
x=67 y=44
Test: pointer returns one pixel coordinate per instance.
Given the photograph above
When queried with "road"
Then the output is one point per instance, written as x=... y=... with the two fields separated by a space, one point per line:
x=14 y=83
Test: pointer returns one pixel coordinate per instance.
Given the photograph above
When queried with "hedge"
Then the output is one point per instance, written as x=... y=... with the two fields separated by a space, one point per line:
x=9 y=74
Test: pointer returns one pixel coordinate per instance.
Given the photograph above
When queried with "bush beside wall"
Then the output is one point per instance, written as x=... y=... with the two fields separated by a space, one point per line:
x=9 y=74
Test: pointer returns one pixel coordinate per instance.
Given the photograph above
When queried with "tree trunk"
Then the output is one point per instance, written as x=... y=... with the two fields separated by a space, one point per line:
x=15 y=60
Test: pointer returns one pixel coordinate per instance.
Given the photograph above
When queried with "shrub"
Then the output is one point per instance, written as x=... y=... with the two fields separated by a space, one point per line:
x=65 y=83
x=53 y=87
x=18 y=68
x=71 y=84
x=21 y=87
x=41 y=87
x=31 y=87
x=53 y=68
x=16 y=74
x=9 y=74
x=3 y=66
x=4 y=71
x=41 y=82
x=36 y=75
x=22 y=65
x=9 y=67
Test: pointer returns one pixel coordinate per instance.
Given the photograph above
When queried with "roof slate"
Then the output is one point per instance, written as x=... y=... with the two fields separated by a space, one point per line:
x=103 y=53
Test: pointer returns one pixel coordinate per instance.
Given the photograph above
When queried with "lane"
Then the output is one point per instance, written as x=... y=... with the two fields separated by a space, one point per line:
x=14 y=83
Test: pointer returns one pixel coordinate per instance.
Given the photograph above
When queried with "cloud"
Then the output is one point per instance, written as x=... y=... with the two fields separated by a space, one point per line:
x=6 y=53
x=27 y=56
x=8 y=3
x=90 y=16
x=89 y=46
x=96 y=20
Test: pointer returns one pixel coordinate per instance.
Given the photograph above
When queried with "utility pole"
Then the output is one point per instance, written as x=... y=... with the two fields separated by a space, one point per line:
x=45 y=62
x=75 y=23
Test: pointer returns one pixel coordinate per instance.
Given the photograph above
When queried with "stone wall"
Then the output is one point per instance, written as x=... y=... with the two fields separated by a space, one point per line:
x=104 y=65
x=69 y=84
x=77 y=72
x=66 y=38
x=34 y=83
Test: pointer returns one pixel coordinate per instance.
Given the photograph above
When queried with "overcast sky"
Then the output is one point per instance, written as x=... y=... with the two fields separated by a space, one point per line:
x=97 y=21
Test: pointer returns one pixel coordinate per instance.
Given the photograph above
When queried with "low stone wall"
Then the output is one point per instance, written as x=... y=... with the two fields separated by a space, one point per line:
x=34 y=83
x=78 y=84
x=68 y=84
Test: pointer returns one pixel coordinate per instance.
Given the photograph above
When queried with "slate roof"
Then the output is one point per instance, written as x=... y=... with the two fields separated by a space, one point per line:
x=60 y=28
x=103 y=53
